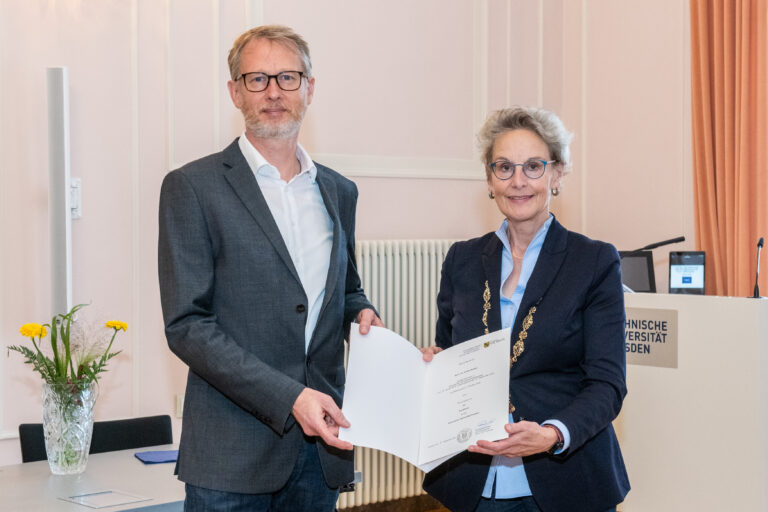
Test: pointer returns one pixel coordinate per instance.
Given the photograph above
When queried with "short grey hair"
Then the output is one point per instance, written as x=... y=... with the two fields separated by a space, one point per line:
x=543 y=123
x=276 y=33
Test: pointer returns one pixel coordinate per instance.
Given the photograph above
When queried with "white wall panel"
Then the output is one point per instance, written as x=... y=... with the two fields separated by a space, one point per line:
x=158 y=374
x=394 y=83
x=193 y=96
x=234 y=20
x=637 y=125
x=3 y=241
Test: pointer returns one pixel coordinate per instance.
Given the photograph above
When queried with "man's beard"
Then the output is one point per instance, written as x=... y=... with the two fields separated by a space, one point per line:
x=283 y=130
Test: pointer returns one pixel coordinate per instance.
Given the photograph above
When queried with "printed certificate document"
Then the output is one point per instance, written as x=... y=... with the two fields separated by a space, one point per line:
x=422 y=412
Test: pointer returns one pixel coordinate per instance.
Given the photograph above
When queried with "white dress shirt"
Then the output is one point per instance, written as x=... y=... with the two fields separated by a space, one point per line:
x=307 y=230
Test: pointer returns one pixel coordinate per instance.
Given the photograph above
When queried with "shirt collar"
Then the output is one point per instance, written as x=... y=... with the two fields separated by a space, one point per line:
x=538 y=238
x=259 y=164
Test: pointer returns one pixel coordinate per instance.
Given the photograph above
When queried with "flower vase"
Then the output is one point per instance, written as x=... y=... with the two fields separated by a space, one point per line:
x=68 y=425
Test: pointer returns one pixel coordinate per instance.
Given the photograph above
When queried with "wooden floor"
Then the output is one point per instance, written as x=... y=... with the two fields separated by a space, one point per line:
x=422 y=503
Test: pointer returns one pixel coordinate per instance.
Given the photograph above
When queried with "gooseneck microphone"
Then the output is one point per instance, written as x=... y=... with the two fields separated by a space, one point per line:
x=665 y=242
x=654 y=246
x=757 y=272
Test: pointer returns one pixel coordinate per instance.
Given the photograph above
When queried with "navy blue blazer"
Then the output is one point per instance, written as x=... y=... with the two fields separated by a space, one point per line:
x=573 y=367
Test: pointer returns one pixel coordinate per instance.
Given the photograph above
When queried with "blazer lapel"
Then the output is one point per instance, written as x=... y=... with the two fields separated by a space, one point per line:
x=492 y=265
x=331 y=200
x=550 y=259
x=243 y=182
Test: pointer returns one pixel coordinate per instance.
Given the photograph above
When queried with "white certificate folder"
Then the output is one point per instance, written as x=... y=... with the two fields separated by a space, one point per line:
x=422 y=412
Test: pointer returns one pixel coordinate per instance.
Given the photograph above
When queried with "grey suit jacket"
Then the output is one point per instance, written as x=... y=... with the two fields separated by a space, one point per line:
x=235 y=312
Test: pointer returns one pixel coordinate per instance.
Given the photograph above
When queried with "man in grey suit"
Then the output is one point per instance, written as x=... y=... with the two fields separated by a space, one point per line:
x=258 y=285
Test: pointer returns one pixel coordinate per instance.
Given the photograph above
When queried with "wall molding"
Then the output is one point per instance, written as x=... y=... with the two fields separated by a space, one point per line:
x=583 y=170
x=135 y=213
x=685 y=126
x=216 y=75
x=402 y=167
x=479 y=65
x=3 y=267
x=372 y=166
x=540 y=78
x=169 y=81
x=254 y=13
x=8 y=434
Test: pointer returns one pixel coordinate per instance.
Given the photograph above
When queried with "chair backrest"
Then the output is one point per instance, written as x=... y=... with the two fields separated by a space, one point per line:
x=32 y=442
x=108 y=436
x=111 y=436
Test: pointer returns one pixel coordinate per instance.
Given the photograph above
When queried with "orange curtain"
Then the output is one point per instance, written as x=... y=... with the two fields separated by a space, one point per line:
x=730 y=169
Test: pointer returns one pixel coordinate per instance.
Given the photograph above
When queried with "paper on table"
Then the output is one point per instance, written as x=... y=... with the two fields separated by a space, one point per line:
x=425 y=412
x=103 y=499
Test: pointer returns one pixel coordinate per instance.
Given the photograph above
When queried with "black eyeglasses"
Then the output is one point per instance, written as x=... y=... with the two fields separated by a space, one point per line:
x=286 y=80
x=533 y=168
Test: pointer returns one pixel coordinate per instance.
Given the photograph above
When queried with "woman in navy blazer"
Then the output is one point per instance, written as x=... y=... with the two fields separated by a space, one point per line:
x=561 y=294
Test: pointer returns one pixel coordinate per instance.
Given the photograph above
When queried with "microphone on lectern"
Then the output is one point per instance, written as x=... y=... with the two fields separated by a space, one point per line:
x=654 y=246
x=757 y=273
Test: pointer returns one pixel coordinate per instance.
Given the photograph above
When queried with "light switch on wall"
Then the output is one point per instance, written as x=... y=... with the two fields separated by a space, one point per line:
x=180 y=405
x=75 y=198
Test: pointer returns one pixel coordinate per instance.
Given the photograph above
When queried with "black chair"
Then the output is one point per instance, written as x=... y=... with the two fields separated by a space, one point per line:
x=108 y=436
x=32 y=442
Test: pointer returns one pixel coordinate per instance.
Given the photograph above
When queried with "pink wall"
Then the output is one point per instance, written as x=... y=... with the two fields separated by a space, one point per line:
x=402 y=87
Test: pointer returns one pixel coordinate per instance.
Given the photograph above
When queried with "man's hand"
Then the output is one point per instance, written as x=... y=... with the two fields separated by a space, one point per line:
x=319 y=416
x=525 y=438
x=366 y=318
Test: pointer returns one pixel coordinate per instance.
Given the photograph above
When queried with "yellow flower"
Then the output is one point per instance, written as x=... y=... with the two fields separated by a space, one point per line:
x=33 y=330
x=114 y=324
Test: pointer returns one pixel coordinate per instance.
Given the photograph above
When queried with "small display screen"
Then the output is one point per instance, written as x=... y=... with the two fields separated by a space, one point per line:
x=686 y=272
x=637 y=271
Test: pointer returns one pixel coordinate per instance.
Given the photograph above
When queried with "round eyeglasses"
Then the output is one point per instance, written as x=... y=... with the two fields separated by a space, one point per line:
x=257 y=81
x=533 y=168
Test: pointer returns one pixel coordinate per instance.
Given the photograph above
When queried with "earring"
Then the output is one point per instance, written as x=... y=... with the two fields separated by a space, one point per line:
x=555 y=191
x=490 y=195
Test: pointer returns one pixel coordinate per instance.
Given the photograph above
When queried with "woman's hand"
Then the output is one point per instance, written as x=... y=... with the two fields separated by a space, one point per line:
x=525 y=438
x=429 y=352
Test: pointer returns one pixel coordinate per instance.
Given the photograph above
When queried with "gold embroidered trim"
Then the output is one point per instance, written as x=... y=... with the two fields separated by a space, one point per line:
x=486 y=306
x=519 y=346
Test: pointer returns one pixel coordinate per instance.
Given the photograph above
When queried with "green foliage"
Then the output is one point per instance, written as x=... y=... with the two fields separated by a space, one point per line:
x=61 y=372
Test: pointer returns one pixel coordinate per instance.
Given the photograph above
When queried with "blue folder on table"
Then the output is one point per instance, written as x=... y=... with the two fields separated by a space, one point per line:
x=157 y=457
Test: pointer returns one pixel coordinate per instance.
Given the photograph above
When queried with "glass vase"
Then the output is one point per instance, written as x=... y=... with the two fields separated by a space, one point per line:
x=68 y=425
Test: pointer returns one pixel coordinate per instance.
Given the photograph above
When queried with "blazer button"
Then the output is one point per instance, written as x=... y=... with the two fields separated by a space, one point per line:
x=301 y=308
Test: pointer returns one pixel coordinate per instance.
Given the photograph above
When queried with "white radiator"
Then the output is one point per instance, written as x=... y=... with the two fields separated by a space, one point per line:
x=401 y=279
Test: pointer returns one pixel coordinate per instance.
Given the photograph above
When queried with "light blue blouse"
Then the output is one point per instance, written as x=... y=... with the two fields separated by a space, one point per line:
x=508 y=472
